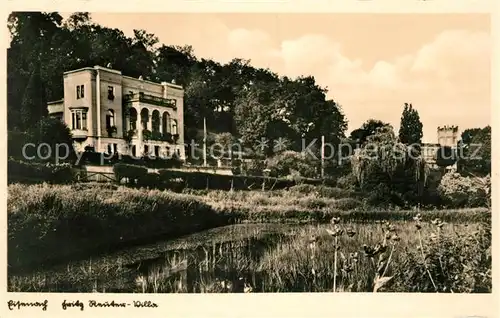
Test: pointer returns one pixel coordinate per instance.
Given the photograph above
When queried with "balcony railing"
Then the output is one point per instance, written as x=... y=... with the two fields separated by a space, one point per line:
x=79 y=133
x=150 y=99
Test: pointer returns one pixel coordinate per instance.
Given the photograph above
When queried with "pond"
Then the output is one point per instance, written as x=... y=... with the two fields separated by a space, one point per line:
x=237 y=258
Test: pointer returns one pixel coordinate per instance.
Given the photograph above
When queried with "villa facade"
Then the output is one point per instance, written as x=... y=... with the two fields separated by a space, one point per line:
x=117 y=114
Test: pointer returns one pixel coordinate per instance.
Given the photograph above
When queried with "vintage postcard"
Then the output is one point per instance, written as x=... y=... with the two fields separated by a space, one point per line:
x=335 y=162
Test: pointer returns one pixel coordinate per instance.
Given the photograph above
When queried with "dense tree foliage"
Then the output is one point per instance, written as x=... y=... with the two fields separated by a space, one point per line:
x=474 y=151
x=368 y=129
x=249 y=103
x=386 y=172
x=410 y=130
x=446 y=156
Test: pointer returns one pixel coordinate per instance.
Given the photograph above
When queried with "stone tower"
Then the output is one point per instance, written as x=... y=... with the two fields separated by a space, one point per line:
x=448 y=136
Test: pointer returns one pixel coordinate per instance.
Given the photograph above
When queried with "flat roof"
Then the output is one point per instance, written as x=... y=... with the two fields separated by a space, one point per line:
x=55 y=102
x=155 y=83
x=97 y=67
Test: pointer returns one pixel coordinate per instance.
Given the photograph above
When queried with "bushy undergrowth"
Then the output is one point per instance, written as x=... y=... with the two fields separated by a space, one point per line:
x=458 y=262
x=18 y=170
x=50 y=222
x=294 y=206
x=411 y=257
x=459 y=191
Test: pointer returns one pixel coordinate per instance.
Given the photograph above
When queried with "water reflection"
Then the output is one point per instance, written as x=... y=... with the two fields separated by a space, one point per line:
x=223 y=267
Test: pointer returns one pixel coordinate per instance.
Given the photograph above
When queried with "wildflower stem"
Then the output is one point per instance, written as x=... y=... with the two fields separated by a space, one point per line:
x=423 y=258
x=388 y=260
x=335 y=266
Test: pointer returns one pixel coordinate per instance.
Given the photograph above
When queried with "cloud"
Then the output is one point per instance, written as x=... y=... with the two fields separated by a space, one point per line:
x=446 y=79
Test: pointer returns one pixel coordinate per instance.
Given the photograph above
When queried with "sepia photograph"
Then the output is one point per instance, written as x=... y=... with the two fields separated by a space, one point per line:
x=248 y=153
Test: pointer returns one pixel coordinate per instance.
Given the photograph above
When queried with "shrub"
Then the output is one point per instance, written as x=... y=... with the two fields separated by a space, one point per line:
x=347 y=204
x=348 y=181
x=334 y=193
x=252 y=167
x=321 y=190
x=131 y=172
x=312 y=203
x=149 y=180
x=304 y=188
x=458 y=191
x=292 y=163
x=458 y=263
x=15 y=142
x=52 y=173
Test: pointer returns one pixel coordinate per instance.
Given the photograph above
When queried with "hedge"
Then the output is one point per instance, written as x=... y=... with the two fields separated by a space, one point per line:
x=178 y=180
x=18 y=170
x=97 y=158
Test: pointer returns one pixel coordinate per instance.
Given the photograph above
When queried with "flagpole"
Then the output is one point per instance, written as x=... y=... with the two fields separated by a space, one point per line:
x=204 y=141
x=323 y=157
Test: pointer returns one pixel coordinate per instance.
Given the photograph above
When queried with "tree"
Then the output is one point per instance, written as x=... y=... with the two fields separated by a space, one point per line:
x=34 y=104
x=369 y=128
x=54 y=133
x=254 y=116
x=32 y=38
x=474 y=151
x=446 y=157
x=410 y=130
x=386 y=172
x=468 y=134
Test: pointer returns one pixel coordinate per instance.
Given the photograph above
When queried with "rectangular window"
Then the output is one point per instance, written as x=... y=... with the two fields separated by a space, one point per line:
x=84 y=120
x=146 y=150
x=157 y=151
x=80 y=91
x=111 y=93
x=78 y=121
x=115 y=148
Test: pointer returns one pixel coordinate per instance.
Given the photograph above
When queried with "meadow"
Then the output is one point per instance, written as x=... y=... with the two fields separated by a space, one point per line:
x=105 y=238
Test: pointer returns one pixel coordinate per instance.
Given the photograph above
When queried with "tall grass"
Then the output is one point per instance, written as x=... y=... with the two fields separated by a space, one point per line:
x=343 y=257
x=50 y=222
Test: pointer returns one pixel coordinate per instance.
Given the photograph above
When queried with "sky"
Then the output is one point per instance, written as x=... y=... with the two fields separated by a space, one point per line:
x=371 y=64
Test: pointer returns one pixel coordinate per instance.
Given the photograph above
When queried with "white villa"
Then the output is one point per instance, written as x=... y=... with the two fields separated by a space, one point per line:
x=114 y=113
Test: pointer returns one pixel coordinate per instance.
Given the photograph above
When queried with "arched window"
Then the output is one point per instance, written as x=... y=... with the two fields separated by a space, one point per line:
x=155 y=121
x=110 y=118
x=174 y=127
x=144 y=118
x=133 y=119
x=166 y=122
